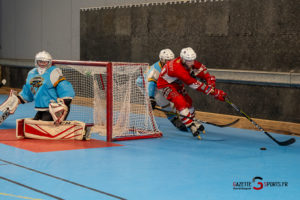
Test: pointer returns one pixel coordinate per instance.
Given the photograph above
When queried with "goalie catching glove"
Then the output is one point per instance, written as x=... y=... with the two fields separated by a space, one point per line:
x=58 y=111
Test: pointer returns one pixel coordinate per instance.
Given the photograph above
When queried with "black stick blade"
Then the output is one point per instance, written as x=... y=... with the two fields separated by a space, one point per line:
x=286 y=143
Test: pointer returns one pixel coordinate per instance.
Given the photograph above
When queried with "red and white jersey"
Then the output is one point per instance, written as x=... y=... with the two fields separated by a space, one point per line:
x=174 y=72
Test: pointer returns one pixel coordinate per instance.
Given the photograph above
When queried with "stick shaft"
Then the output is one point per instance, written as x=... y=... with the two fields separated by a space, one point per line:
x=284 y=143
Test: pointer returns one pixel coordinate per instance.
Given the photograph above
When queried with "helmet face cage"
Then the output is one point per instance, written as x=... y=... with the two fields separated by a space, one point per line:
x=188 y=54
x=166 y=55
x=45 y=57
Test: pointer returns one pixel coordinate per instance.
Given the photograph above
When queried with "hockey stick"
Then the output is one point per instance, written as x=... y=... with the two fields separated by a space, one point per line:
x=204 y=122
x=284 y=143
x=4 y=116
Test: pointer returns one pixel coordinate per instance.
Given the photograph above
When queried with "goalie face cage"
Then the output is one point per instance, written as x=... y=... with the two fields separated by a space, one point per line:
x=108 y=98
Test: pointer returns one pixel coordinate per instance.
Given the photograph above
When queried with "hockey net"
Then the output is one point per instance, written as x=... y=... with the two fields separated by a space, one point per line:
x=108 y=98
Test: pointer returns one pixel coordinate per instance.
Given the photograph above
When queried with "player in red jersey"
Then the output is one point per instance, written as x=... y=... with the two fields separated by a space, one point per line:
x=187 y=70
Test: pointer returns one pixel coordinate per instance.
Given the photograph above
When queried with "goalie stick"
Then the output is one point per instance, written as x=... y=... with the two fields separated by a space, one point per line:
x=204 y=122
x=4 y=116
x=283 y=143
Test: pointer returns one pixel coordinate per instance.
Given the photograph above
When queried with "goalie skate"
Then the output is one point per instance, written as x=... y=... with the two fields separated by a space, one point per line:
x=87 y=135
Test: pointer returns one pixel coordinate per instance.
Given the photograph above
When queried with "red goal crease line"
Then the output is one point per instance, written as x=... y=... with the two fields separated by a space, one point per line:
x=8 y=137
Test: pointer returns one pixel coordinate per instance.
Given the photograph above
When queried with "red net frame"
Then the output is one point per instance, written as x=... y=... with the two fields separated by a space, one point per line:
x=109 y=97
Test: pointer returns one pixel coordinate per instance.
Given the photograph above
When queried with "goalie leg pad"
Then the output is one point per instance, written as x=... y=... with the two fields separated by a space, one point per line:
x=37 y=129
x=20 y=129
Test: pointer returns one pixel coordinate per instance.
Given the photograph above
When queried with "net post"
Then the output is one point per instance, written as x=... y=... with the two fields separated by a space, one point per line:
x=109 y=103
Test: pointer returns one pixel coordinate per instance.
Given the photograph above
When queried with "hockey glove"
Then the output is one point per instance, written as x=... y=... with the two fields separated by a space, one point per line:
x=153 y=102
x=219 y=94
x=211 y=81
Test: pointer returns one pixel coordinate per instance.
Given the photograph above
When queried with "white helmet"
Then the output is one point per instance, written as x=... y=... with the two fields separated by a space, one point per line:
x=188 y=54
x=166 y=54
x=43 y=56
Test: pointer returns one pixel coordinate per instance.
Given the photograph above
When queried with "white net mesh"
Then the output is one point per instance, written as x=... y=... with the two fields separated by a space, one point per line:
x=131 y=113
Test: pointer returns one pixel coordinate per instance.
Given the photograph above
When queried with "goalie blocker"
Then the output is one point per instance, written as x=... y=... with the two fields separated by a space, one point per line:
x=37 y=129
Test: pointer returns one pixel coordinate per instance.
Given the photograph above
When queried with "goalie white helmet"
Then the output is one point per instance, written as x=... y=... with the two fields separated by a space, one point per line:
x=166 y=55
x=188 y=55
x=43 y=60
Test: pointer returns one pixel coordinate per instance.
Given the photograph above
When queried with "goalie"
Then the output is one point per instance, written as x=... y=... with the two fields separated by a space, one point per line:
x=52 y=94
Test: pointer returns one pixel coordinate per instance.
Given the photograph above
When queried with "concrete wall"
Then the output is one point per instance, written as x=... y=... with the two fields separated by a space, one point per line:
x=28 y=26
x=0 y=26
x=248 y=35
x=264 y=102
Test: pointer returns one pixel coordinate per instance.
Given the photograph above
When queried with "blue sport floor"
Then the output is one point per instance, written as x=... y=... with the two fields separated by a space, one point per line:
x=226 y=164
